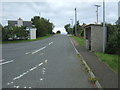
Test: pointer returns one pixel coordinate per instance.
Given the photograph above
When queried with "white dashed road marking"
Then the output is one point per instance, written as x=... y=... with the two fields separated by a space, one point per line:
x=6 y=62
x=18 y=77
x=2 y=60
x=46 y=61
x=41 y=79
x=39 y=50
x=50 y=43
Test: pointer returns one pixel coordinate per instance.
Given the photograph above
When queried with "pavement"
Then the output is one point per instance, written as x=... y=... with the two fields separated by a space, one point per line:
x=48 y=63
x=106 y=76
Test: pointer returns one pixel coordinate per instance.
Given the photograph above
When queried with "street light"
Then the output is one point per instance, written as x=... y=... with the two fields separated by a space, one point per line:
x=97 y=11
x=104 y=29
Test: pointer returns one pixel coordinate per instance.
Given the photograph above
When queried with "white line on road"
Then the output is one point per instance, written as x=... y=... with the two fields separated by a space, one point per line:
x=50 y=43
x=27 y=52
x=17 y=86
x=41 y=79
x=18 y=77
x=46 y=61
x=39 y=50
x=2 y=60
x=6 y=62
x=40 y=64
x=74 y=47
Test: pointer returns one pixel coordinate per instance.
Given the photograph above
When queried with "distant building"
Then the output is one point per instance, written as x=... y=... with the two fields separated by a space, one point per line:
x=20 y=22
x=27 y=24
x=93 y=37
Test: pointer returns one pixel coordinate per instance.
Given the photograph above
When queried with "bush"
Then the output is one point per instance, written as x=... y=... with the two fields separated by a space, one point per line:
x=113 y=42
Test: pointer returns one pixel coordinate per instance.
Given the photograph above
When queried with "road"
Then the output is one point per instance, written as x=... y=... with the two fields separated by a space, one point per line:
x=48 y=63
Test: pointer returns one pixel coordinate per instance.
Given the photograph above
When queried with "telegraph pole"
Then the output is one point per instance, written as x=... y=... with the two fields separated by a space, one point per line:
x=104 y=29
x=97 y=11
x=39 y=14
x=72 y=25
x=75 y=22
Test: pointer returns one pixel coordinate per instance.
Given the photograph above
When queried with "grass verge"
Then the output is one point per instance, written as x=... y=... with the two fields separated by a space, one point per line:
x=29 y=40
x=79 y=40
x=111 y=60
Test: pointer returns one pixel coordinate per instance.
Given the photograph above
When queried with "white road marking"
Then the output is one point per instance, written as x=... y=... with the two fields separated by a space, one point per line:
x=6 y=62
x=27 y=52
x=74 y=47
x=45 y=61
x=25 y=87
x=50 y=43
x=41 y=79
x=17 y=86
x=2 y=60
x=9 y=83
x=33 y=68
x=39 y=50
x=18 y=77
x=40 y=64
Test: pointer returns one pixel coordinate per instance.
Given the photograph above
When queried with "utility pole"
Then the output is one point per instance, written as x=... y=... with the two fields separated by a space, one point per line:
x=39 y=14
x=97 y=11
x=72 y=25
x=75 y=22
x=104 y=29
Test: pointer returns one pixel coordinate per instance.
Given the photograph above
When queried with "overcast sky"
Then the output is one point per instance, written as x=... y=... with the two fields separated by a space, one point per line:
x=59 y=12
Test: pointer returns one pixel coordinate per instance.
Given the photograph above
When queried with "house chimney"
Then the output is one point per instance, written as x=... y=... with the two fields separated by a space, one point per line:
x=19 y=22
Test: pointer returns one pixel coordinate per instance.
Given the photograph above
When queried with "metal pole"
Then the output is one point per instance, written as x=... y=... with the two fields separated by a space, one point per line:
x=97 y=15
x=104 y=29
x=75 y=22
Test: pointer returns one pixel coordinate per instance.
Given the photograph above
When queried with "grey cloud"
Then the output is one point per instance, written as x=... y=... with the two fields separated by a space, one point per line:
x=59 y=12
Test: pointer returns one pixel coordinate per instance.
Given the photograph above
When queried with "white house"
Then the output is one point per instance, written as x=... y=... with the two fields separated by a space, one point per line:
x=27 y=24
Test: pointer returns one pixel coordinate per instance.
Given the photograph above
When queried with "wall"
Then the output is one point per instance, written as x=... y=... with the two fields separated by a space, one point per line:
x=96 y=38
x=32 y=33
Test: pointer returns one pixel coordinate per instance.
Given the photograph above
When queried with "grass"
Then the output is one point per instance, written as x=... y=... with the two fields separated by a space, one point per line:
x=79 y=40
x=29 y=40
x=111 y=60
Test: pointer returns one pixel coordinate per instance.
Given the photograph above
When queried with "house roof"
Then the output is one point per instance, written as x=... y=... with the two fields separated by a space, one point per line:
x=87 y=26
x=12 y=23
x=25 y=23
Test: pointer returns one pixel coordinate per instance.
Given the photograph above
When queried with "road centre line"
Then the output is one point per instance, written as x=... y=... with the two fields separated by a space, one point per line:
x=50 y=43
x=2 y=60
x=39 y=50
x=18 y=77
x=6 y=62
x=35 y=51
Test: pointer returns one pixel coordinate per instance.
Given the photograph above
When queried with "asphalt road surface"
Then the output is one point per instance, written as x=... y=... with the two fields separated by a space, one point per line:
x=48 y=63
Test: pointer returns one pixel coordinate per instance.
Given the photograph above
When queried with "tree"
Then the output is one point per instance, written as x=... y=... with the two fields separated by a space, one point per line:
x=68 y=29
x=43 y=26
x=14 y=33
x=58 y=32
x=113 y=39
